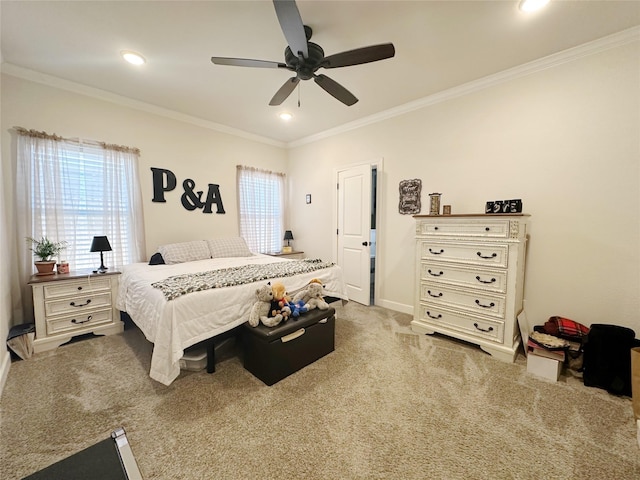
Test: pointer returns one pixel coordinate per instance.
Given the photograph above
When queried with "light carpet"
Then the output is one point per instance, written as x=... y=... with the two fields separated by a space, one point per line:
x=386 y=404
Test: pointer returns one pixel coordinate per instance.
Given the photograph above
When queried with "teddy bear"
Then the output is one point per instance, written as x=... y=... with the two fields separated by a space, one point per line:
x=297 y=308
x=280 y=301
x=311 y=295
x=261 y=309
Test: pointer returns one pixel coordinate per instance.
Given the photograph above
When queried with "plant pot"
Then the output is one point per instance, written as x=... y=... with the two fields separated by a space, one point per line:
x=46 y=267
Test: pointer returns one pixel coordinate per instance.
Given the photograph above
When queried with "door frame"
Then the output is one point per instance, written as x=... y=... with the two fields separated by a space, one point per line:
x=378 y=164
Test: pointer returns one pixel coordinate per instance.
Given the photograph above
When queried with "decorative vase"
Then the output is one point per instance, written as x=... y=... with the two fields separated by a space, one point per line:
x=45 y=267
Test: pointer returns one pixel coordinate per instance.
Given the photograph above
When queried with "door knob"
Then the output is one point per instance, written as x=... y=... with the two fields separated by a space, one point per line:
x=366 y=244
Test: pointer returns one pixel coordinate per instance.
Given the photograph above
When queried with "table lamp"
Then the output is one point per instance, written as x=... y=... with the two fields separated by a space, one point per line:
x=287 y=236
x=101 y=244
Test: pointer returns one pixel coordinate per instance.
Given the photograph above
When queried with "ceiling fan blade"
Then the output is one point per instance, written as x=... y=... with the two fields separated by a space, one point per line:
x=358 y=56
x=285 y=90
x=292 y=26
x=335 y=89
x=246 y=62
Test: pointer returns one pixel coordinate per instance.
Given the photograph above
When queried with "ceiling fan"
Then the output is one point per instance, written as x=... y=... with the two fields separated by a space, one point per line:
x=305 y=57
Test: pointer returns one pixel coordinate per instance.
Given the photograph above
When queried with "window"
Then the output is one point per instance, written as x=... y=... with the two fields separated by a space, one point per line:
x=75 y=190
x=261 y=206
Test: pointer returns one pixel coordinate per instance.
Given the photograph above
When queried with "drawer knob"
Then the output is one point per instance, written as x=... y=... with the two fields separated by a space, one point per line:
x=486 y=229
x=493 y=255
x=491 y=305
x=435 y=317
x=490 y=329
x=435 y=274
x=436 y=295
x=435 y=228
x=436 y=253
x=73 y=304
x=79 y=288
x=78 y=322
x=493 y=280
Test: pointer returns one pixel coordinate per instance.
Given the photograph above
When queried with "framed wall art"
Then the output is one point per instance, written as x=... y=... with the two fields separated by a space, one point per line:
x=410 y=191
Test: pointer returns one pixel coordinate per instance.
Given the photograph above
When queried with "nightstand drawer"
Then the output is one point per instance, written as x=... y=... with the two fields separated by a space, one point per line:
x=74 y=322
x=77 y=287
x=79 y=303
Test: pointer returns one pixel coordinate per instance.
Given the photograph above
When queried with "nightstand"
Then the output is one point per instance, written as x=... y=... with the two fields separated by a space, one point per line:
x=294 y=255
x=71 y=304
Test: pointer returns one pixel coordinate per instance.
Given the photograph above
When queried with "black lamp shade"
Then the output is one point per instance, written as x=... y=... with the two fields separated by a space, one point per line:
x=288 y=235
x=100 y=244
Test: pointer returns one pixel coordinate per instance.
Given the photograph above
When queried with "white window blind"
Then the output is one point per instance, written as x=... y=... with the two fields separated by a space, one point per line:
x=78 y=190
x=261 y=205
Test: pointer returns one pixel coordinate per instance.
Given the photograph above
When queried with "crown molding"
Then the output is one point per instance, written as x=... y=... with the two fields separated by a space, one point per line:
x=56 y=82
x=591 y=48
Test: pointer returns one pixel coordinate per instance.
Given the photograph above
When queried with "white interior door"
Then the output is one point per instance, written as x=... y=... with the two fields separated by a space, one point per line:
x=354 y=224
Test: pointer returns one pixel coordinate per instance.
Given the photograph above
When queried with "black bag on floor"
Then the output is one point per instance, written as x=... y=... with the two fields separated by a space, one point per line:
x=607 y=358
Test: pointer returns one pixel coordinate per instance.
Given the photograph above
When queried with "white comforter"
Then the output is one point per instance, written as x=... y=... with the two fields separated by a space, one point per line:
x=175 y=325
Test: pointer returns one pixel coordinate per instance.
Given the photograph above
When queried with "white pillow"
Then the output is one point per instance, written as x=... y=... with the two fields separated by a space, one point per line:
x=184 y=252
x=228 y=247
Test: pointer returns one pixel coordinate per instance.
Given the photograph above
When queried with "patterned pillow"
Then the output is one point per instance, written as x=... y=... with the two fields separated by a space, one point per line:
x=184 y=252
x=228 y=247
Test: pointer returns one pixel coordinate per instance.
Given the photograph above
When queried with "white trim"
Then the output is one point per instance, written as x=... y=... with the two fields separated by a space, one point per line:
x=611 y=41
x=74 y=87
x=396 y=307
x=616 y=40
x=5 y=366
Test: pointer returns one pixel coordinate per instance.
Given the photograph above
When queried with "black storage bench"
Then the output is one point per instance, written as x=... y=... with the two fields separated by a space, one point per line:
x=273 y=353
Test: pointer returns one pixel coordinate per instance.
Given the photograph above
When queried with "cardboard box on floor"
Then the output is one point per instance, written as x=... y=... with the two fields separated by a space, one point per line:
x=635 y=387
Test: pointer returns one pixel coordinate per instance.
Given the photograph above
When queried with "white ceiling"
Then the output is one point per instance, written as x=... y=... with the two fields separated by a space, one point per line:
x=439 y=45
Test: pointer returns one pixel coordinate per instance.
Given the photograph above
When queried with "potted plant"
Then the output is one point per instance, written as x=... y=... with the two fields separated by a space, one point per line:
x=44 y=249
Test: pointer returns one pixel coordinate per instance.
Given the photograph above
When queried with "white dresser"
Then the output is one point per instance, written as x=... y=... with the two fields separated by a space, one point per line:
x=66 y=305
x=470 y=279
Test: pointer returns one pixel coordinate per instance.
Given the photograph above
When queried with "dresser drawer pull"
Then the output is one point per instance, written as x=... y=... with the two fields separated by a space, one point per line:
x=490 y=329
x=79 y=288
x=493 y=255
x=486 y=229
x=436 y=317
x=434 y=296
x=436 y=253
x=73 y=304
x=78 y=322
x=485 y=306
x=493 y=280
x=435 y=274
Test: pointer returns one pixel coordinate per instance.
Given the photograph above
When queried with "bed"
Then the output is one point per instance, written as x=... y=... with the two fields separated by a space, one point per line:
x=194 y=291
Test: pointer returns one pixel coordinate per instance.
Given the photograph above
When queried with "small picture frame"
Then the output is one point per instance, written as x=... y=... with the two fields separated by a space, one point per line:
x=308 y=198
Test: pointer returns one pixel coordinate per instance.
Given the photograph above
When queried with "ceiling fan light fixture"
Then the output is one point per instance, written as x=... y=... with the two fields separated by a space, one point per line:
x=133 y=58
x=532 y=5
x=286 y=116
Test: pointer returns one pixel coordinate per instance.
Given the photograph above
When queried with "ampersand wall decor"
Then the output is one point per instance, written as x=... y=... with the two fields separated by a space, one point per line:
x=165 y=181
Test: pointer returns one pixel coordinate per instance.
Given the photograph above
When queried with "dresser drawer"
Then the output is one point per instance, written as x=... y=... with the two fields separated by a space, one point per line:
x=495 y=255
x=78 y=303
x=478 y=327
x=484 y=279
x=478 y=303
x=74 y=322
x=76 y=287
x=481 y=229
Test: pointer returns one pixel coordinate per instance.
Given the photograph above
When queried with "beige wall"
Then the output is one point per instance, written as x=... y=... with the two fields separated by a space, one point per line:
x=566 y=140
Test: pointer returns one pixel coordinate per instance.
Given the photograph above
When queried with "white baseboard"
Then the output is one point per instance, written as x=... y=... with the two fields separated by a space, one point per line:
x=395 y=306
x=5 y=365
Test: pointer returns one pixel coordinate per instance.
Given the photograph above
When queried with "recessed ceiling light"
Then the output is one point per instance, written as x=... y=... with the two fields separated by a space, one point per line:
x=286 y=116
x=532 y=5
x=133 y=57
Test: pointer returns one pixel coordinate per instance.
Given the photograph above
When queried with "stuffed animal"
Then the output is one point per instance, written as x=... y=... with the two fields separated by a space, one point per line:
x=311 y=295
x=280 y=302
x=261 y=309
x=297 y=308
